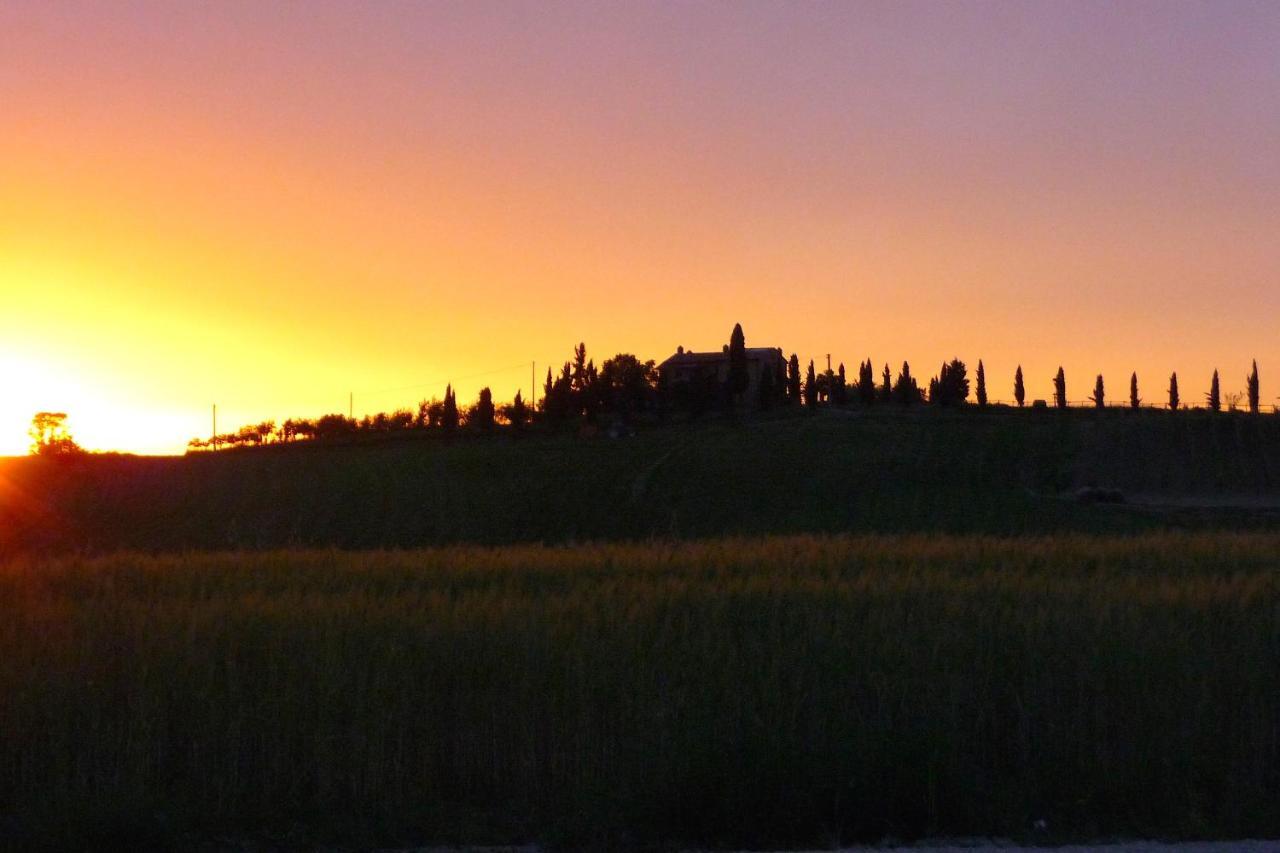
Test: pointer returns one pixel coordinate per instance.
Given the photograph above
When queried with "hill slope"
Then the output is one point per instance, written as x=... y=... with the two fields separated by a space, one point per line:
x=997 y=472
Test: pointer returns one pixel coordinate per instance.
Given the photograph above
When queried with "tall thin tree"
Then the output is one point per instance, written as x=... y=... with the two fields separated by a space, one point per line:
x=1214 y=397
x=810 y=387
x=1135 y=402
x=982 y=386
x=793 y=381
x=867 y=382
x=1174 y=402
x=738 y=378
x=1251 y=383
x=1019 y=390
x=449 y=420
x=1060 y=389
x=1099 y=396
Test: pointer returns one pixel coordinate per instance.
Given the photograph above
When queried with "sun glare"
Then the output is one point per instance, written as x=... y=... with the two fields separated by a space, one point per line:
x=29 y=387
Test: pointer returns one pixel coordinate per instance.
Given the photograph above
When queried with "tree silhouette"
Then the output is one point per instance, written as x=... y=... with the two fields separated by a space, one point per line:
x=1019 y=390
x=1099 y=396
x=1135 y=402
x=793 y=381
x=1214 y=397
x=517 y=413
x=625 y=384
x=738 y=378
x=558 y=396
x=841 y=387
x=481 y=416
x=866 y=383
x=1251 y=383
x=952 y=385
x=1060 y=389
x=905 y=390
x=1174 y=402
x=50 y=436
x=982 y=386
x=449 y=418
x=886 y=384
x=810 y=387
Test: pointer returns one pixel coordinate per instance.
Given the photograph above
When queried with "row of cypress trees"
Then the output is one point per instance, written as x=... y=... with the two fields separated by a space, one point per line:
x=1213 y=398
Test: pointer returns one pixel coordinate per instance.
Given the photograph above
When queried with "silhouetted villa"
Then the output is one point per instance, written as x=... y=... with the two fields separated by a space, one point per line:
x=690 y=367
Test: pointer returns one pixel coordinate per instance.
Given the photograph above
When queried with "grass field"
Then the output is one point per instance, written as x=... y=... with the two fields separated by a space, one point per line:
x=884 y=470
x=773 y=691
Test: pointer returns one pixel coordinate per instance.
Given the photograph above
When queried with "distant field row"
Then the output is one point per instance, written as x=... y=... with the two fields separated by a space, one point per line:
x=780 y=691
x=1001 y=472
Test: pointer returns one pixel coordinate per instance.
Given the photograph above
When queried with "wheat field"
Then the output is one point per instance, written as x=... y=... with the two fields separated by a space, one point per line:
x=775 y=691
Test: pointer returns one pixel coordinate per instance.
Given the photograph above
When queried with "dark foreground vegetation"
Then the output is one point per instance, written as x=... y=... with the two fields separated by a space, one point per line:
x=777 y=691
x=960 y=471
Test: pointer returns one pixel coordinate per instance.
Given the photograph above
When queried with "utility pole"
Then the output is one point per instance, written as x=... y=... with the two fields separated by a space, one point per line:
x=828 y=362
x=533 y=384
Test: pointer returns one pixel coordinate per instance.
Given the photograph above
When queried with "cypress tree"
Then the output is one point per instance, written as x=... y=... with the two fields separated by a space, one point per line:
x=738 y=378
x=810 y=387
x=905 y=390
x=793 y=381
x=867 y=382
x=1060 y=389
x=1252 y=384
x=982 y=386
x=1214 y=397
x=1019 y=391
x=842 y=387
x=482 y=414
x=1135 y=402
x=517 y=414
x=1099 y=396
x=1174 y=402
x=449 y=420
x=886 y=388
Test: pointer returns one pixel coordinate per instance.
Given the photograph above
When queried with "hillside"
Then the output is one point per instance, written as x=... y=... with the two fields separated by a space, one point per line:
x=999 y=472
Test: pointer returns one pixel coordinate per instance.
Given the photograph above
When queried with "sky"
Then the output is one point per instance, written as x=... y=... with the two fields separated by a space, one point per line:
x=269 y=206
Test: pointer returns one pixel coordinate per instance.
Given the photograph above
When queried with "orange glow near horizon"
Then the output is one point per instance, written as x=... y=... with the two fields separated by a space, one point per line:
x=268 y=209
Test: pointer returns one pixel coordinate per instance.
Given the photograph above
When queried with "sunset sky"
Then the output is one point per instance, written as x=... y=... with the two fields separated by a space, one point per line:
x=268 y=205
